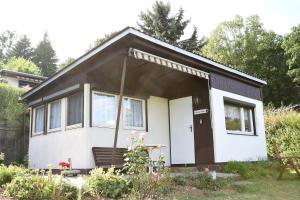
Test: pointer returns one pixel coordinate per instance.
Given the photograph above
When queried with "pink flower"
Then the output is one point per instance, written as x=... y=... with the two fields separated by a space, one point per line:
x=142 y=136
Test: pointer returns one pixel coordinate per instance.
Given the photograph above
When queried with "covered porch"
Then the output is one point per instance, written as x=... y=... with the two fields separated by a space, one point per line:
x=175 y=102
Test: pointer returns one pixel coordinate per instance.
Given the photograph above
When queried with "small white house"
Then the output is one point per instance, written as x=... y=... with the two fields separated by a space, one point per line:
x=203 y=112
x=20 y=79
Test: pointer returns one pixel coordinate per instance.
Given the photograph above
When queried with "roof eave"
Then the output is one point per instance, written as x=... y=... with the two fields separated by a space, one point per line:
x=124 y=33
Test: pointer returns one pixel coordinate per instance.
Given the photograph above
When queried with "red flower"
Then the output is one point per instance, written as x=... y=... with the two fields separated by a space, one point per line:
x=64 y=164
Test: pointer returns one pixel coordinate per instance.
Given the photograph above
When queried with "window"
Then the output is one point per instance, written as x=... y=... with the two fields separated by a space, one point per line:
x=75 y=109
x=103 y=109
x=239 y=119
x=39 y=120
x=55 y=115
x=133 y=113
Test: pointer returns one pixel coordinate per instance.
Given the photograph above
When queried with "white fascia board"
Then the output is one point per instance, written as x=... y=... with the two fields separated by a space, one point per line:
x=146 y=37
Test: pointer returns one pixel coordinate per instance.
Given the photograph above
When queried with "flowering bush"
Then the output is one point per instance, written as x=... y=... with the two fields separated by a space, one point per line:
x=137 y=159
x=2 y=157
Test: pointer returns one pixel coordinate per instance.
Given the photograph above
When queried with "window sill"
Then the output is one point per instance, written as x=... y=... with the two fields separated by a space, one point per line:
x=37 y=134
x=104 y=126
x=245 y=134
x=135 y=128
x=54 y=130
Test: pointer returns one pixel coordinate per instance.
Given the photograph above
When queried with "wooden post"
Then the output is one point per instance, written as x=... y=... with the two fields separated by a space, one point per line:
x=119 y=106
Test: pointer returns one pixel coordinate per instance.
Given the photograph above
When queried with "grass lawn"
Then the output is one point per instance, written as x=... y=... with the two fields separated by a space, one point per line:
x=267 y=188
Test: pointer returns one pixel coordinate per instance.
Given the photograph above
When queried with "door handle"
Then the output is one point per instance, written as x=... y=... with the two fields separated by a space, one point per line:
x=191 y=128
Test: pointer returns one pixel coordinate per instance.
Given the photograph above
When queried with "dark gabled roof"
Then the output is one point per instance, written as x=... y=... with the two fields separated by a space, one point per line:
x=132 y=31
x=21 y=74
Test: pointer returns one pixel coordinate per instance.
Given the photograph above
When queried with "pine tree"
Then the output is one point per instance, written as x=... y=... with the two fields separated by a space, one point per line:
x=22 y=48
x=160 y=24
x=45 y=57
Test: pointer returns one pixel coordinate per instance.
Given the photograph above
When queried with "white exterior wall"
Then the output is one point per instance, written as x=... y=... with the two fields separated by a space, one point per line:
x=11 y=81
x=229 y=147
x=77 y=143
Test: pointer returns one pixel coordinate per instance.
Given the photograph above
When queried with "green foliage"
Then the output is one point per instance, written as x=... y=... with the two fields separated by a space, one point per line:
x=137 y=159
x=45 y=57
x=101 y=184
x=244 y=44
x=160 y=24
x=100 y=41
x=8 y=173
x=66 y=63
x=283 y=124
x=240 y=168
x=252 y=169
x=22 y=48
x=205 y=181
x=7 y=41
x=10 y=107
x=291 y=45
x=21 y=65
x=35 y=187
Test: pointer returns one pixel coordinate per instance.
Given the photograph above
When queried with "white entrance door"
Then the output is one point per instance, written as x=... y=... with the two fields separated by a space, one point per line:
x=182 y=131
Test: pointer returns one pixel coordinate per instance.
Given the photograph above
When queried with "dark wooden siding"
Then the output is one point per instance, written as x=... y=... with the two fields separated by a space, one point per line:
x=235 y=86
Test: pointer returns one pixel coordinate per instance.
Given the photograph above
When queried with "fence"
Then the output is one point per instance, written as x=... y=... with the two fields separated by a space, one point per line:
x=14 y=142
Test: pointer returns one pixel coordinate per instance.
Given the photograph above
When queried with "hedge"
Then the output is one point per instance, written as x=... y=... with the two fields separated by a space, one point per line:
x=10 y=107
x=283 y=124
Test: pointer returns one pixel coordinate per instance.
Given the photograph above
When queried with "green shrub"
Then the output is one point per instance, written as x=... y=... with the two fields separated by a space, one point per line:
x=8 y=173
x=10 y=107
x=240 y=168
x=108 y=184
x=283 y=124
x=205 y=181
x=30 y=187
x=35 y=187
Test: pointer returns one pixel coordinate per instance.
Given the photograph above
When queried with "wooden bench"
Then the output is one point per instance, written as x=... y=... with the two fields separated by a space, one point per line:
x=104 y=157
x=287 y=162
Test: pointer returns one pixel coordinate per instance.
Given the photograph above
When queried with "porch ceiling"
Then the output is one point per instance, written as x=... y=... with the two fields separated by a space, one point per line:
x=144 y=78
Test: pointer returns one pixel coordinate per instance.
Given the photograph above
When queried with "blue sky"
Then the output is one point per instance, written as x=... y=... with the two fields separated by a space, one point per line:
x=73 y=25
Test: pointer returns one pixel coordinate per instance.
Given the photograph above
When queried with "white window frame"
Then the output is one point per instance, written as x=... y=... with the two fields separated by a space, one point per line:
x=48 y=117
x=73 y=126
x=34 y=133
x=144 y=115
x=116 y=110
x=242 y=117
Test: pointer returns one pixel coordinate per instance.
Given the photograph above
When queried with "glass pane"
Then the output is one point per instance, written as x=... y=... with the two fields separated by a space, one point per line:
x=75 y=109
x=104 y=110
x=232 y=118
x=133 y=113
x=39 y=119
x=55 y=114
x=247 y=119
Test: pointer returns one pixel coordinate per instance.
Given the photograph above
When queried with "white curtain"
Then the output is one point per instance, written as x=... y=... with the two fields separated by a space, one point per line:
x=104 y=110
x=133 y=113
x=39 y=119
x=75 y=109
x=232 y=117
x=55 y=114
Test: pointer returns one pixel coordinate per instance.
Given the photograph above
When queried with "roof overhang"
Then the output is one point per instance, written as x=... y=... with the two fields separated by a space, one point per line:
x=136 y=33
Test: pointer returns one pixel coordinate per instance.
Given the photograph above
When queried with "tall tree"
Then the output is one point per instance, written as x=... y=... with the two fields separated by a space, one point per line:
x=22 y=48
x=7 y=41
x=245 y=45
x=160 y=24
x=291 y=45
x=45 y=57
x=66 y=63
x=21 y=65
